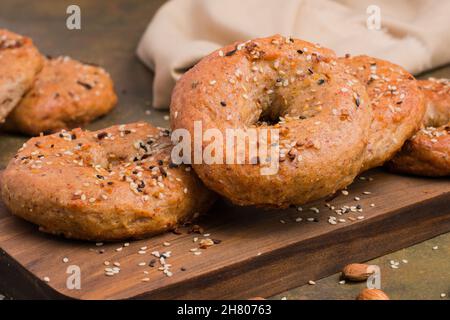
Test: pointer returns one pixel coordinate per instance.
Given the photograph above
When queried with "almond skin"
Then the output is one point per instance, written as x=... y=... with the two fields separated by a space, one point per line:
x=372 y=294
x=356 y=272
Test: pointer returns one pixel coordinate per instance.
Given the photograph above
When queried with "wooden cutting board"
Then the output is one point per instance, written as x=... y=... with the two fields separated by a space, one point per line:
x=261 y=253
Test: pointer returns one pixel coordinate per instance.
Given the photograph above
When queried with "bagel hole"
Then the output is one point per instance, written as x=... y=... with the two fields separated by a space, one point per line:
x=271 y=115
x=269 y=118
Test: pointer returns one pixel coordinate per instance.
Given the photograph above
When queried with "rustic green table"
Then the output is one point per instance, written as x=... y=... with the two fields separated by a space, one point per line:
x=109 y=35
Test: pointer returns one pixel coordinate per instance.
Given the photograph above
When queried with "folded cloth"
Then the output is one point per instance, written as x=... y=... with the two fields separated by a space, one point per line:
x=414 y=34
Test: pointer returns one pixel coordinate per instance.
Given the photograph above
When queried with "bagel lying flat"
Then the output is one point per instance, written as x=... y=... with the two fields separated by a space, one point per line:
x=397 y=105
x=297 y=88
x=427 y=153
x=20 y=61
x=66 y=94
x=110 y=184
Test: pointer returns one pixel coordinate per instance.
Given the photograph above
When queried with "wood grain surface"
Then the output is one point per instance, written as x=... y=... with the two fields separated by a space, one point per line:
x=261 y=252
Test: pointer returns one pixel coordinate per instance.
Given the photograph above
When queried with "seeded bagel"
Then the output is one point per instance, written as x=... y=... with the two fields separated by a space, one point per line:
x=65 y=95
x=427 y=153
x=107 y=185
x=397 y=104
x=20 y=62
x=321 y=112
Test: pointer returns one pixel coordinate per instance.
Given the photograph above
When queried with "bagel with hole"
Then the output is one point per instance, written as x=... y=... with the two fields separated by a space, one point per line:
x=298 y=89
x=427 y=153
x=106 y=185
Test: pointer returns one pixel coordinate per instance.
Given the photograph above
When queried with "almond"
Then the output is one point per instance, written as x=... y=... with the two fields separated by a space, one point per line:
x=356 y=272
x=372 y=294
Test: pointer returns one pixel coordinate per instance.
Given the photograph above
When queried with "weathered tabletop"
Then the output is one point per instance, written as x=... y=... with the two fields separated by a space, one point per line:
x=110 y=32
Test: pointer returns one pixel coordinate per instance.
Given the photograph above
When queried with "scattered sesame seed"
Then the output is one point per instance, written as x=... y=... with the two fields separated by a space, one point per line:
x=156 y=254
x=345 y=192
x=311 y=282
x=435 y=247
x=65 y=260
x=46 y=279
x=314 y=209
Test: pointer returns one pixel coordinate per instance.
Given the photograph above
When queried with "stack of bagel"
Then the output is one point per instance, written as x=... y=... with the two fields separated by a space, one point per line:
x=336 y=117
x=41 y=94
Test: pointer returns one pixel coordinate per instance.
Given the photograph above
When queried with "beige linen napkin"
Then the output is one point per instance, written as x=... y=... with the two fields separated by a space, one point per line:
x=414 y=33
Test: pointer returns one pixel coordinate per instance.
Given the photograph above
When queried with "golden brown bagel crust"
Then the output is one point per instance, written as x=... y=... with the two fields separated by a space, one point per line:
x=323 y=114
x=397 y=104
x=437 y=100
x=66 y=94
x=427 y=153
x=110 y=184
x=20 y=61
